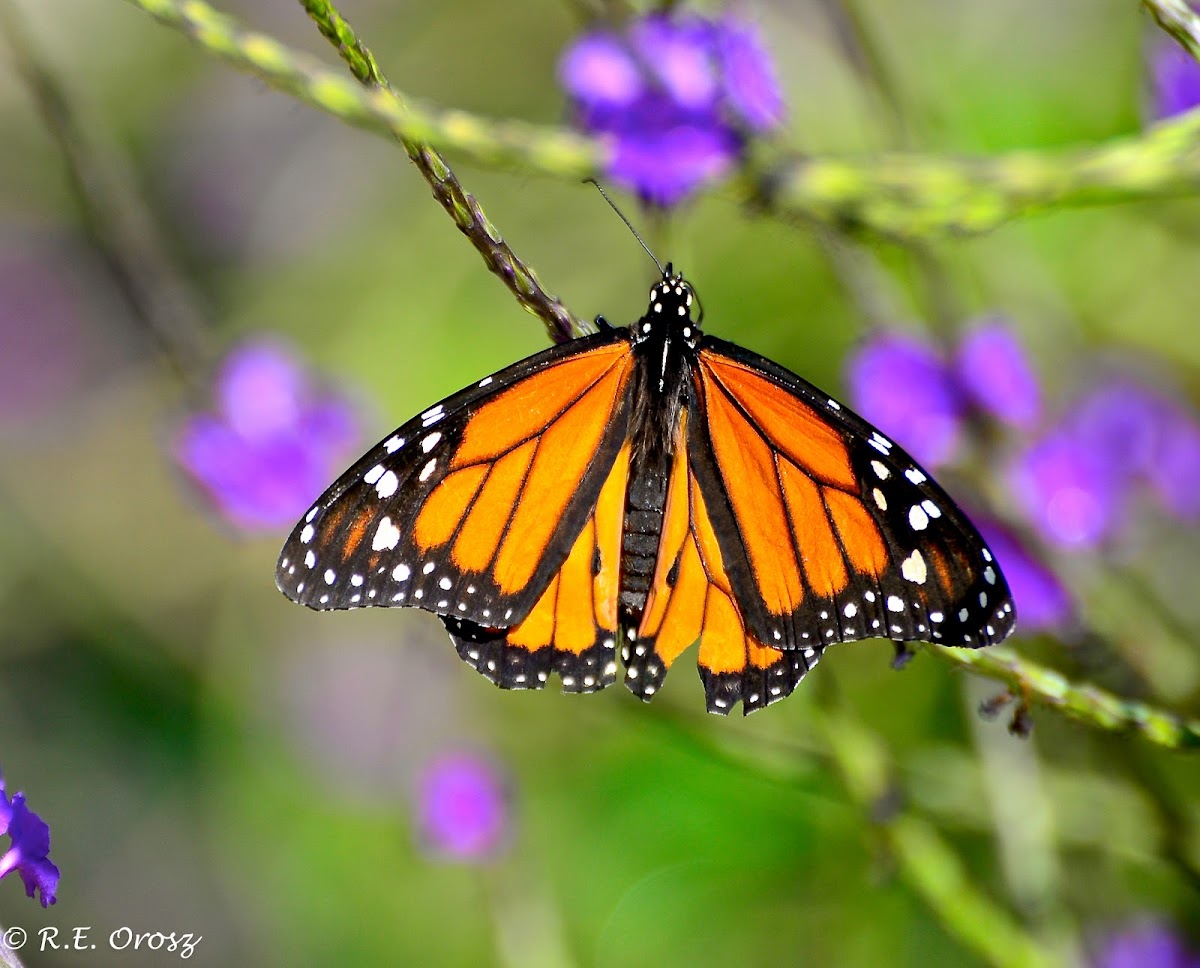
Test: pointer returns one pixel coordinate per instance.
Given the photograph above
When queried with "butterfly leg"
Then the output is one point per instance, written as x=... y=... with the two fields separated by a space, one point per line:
x=904 y=655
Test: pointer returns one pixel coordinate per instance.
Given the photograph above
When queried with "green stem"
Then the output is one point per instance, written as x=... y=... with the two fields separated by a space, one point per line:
x=1081 y=701
x=909 y=196
x=561 y=324
x=1179 y=20
x=925 y=861
x=377 y=107
x=900 y=195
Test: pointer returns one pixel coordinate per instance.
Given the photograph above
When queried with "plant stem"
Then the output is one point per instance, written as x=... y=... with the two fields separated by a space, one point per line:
x=463 y=207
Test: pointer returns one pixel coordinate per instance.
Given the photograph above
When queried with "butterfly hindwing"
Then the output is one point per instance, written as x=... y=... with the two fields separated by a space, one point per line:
x=471 y=508
x=839 y=534
x=572 y=629
x=691 y=598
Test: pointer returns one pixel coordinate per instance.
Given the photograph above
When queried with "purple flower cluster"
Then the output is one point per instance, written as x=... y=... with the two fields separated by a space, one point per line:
x=1147 y=945
x=922 y=397
x=1076 y=482
x=462 y=808
x=676 y=95
x=29 y=843
x=274 y=442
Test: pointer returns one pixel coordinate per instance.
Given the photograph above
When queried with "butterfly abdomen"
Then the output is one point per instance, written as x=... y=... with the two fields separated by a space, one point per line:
x=661 y=381
x=640 y=538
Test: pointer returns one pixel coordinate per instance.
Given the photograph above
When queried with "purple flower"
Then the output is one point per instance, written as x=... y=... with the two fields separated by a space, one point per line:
x=905 y=388
x=274 y=443
x=1146 y=945
x=996 y=374
x=462 y=807
x=674 y=96
x=1121 y=422
x=1176 y=79
x=1175 y=470
x=751 y=86
x=1068 y=490
x=1042 y=600
x=29 y=844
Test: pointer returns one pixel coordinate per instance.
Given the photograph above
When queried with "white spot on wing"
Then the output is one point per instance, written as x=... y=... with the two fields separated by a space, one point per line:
x=431 y=441
x=394 y=445
x=387 y=536
x=387 y=484
x=427 y=470
x=374 y=474
x=915 y=475
x=401 y=572
x=913 y=568
x=307 y=534
x=880 y=500
x=894 y=603
x=918 y=518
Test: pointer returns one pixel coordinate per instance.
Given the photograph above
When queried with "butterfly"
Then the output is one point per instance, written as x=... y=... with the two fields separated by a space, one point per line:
x=639 y=490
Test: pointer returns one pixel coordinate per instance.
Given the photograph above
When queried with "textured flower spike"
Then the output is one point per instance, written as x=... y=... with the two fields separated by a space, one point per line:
x=29 y=838
x=904 y=387
x=675 y=96
x=274 y=442
x=462 y=808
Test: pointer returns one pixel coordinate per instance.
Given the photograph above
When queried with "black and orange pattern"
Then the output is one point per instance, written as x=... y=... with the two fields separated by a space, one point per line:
x=639 y=491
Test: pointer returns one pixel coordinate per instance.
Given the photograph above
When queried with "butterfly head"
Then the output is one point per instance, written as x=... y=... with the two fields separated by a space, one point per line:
x=671 y=303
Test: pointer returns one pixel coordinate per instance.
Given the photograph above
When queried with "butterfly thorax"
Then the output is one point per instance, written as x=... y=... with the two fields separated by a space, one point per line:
x=665 y=342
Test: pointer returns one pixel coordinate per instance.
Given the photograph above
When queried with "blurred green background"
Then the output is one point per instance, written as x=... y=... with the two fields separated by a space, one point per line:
x=212 y=759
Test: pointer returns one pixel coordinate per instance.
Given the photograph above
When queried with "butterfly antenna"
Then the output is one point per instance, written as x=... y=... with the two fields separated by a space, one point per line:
x=628 y=224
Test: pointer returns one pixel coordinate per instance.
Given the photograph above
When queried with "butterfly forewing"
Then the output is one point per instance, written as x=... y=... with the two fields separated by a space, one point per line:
x=841 y=534
x=471 y=508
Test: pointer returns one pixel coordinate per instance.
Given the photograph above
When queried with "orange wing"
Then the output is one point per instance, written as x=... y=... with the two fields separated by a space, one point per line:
x=481 y=507
x=691 y=598
x=828 y=530
x=572 y=629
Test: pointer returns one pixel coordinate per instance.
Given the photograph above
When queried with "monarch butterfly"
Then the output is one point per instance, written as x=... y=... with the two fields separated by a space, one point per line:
x=643 y=489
